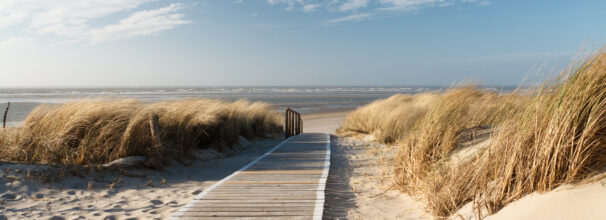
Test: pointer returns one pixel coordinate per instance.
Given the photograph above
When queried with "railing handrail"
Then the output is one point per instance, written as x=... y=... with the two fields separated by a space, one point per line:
x=293 y=124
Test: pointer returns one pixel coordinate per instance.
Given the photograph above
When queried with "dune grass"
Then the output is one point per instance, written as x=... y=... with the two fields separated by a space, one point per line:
x=93 y=132
x=538 y=140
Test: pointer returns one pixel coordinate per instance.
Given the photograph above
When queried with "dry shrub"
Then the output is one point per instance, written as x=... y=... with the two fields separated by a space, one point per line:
x=538 y=141
x=97 y=131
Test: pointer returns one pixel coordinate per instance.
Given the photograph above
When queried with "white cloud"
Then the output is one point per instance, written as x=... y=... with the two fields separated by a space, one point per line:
x=310 y=8
x=409 y=5
x=17 y=42
x=353 y=17
x=140 y=24
x=353 y=4
x=70 y=18
x=369 y=5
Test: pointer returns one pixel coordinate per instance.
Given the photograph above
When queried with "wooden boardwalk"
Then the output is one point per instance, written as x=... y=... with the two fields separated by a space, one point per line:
x=285 y=183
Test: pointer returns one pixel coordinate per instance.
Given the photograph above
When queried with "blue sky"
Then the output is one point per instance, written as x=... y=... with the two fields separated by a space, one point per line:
x=290 y=42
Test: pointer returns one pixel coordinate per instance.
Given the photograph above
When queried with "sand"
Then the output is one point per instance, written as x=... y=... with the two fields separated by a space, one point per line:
x=359 y=184
x=323 y=122
x=587 y=201
x=136 y=193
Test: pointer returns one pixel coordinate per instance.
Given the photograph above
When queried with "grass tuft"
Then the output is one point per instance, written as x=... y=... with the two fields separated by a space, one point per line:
x=92 y=132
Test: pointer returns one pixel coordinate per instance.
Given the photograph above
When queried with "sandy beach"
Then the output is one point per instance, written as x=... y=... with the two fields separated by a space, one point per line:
x=358 y=188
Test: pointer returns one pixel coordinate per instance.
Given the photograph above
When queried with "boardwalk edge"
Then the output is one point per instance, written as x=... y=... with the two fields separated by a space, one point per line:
x=319 y=209
x=208 y=189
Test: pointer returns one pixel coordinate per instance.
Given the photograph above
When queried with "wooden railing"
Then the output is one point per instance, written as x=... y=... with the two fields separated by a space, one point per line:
x=293 y=124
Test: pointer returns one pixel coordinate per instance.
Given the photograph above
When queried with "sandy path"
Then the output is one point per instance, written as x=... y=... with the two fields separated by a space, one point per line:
x=323 y=122
x=358 y=184
x=358 y=179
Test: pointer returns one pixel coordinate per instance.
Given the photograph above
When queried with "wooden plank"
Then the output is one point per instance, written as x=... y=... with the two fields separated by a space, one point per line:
x=258 y=172
x=286 y=183
x=251 y=218
x=211 y=204
x=247 y=214
x=250 y=209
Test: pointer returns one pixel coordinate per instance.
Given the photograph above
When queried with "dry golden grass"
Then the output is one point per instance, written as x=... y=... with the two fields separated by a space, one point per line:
x=388 y=119
x=97 y=131
x=538 y=141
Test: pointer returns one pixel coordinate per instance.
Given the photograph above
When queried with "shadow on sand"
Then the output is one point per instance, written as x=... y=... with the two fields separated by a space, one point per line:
x=339 y=194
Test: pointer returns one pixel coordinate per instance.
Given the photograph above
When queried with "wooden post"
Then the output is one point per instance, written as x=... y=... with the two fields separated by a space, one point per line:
x=286 y=122
x=154 y=128
x=5 y=113
x=293 y=124
x=298 y=122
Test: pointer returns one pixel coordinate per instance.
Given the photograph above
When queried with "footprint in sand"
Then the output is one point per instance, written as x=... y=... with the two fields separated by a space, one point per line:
x=156 y=202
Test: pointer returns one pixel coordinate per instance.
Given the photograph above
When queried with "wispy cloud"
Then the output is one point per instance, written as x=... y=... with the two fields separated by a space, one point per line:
x=17 y=41
x=353 y=4
x=364 y=9
x=311 y=7
x=71 y=19
x=140 y=24
x=353 y=17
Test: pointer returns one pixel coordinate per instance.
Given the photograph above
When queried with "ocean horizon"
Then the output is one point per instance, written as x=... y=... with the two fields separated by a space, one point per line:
x=305 y=99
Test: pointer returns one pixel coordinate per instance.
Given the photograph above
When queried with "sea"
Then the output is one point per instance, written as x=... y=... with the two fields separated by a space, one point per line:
x=304 y=99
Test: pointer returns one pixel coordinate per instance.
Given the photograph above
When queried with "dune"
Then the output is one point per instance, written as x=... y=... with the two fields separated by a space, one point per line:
x=584 y=201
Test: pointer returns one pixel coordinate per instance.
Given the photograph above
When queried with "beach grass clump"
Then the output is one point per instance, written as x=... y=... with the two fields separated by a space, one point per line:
x=529 y=141
x=559 y=138
x=424 y=164
x=92 y=132
x=388 y=120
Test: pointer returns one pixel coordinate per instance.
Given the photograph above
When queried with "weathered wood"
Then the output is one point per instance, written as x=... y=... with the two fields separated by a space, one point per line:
x=287 y=183
x=293 y=124
x=154 y=128
x=251 y=218
x=8 y=105
x=252 y=209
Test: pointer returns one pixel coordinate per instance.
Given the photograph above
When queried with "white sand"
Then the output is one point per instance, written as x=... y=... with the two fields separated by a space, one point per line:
x=323 y=122
x=144 y=197
x=359 y=184
x=586 y=201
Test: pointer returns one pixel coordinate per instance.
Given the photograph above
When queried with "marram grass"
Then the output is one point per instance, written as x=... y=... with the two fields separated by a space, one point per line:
x=92 y=132
x=537 y=140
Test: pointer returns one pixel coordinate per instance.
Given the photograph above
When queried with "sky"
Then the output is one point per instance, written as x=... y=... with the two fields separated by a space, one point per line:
x=98 y=43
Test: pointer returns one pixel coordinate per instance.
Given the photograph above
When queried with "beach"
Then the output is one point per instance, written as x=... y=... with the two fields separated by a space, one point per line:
x=359 y=186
